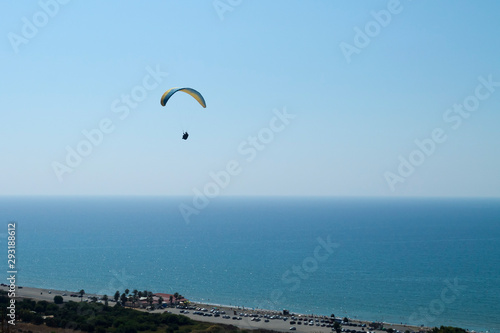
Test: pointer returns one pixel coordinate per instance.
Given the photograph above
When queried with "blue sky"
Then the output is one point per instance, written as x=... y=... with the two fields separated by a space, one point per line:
x=352 y=118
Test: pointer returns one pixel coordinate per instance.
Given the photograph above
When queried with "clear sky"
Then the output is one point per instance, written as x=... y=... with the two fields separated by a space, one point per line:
x=336 y=98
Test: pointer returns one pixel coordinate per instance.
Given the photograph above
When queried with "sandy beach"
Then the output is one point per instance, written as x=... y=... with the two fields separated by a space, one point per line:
x=246 y=321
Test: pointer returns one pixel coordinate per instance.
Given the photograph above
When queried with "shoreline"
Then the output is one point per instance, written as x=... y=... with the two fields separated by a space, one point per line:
x=247 y=321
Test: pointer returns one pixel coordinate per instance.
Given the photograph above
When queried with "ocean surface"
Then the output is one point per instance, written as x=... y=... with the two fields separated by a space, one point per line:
x=417 y=261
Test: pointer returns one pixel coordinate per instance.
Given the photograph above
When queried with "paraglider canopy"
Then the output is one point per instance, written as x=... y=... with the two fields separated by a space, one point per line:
x=196 y=95
x=193 y=93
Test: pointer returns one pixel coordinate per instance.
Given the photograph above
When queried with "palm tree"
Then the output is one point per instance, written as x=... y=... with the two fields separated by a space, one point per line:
x=171 y=298
x=82 y=292
x=160 y=300
x=117 y=296
x=150 y=298
x=123 y=299
x=105 y=299
x=135 y=297
x=127 y=291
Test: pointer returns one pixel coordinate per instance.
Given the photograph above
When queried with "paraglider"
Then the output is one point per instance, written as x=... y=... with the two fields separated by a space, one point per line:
x=196 y=95
x=193 y=93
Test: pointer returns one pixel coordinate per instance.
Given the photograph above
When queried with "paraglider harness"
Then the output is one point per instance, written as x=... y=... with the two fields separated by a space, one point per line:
x=185 y=136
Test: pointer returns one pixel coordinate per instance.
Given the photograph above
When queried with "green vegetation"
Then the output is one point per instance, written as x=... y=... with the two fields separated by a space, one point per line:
x=448 y=329
x=337 y=327
x=99 y=318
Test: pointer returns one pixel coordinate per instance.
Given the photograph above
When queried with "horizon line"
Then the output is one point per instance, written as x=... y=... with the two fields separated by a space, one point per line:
x=286 y=196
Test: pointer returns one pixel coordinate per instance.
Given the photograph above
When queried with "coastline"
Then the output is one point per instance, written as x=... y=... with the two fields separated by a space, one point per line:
x=368 y=277
x=246 y=321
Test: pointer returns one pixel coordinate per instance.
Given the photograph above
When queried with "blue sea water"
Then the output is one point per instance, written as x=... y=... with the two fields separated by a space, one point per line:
x=417 y=261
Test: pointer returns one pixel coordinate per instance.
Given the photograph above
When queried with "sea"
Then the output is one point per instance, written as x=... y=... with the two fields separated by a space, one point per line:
x=419 y=261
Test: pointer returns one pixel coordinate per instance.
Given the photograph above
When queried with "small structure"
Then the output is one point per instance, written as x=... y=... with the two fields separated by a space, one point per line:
x=166 y=298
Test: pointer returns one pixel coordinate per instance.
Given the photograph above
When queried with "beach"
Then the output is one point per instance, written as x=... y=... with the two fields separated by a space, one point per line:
x=238 y=257
x=244 y=318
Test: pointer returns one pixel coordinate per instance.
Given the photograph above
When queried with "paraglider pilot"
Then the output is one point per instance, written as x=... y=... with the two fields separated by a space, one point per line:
x=185 y=136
